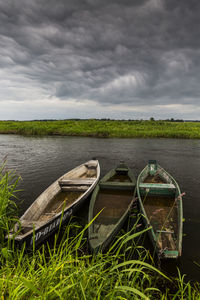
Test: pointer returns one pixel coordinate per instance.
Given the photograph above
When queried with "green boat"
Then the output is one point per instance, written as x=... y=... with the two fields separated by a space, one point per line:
x=160 y=203
x=112 y=199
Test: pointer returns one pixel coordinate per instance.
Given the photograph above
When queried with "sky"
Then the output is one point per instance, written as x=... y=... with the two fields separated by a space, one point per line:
x=118 y=59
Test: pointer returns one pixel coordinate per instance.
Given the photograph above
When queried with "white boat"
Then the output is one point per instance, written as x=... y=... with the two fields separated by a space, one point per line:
x=56 y=204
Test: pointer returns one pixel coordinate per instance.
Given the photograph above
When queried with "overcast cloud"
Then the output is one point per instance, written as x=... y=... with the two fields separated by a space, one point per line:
x=99 y=58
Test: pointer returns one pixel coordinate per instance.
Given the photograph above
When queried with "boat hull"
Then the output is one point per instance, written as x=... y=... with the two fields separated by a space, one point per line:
x=112 y=200
x=47 y=214
x=160 y=202
x=40 y=235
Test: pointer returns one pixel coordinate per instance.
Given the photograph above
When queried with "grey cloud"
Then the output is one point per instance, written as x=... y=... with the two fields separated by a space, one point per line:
x=113 y=52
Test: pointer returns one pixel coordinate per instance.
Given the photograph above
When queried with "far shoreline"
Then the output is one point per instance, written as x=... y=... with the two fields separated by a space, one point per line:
x=104 y=128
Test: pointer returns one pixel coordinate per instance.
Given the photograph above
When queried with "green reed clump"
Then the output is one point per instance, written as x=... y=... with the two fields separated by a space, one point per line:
x=67 y=271
x=8 y=184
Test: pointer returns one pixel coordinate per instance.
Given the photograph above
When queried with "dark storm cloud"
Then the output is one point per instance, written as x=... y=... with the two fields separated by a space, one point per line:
x=133 y=52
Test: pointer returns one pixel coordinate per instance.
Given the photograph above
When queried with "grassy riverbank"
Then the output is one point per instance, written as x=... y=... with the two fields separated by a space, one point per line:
x=104 y=128
x=66 y=270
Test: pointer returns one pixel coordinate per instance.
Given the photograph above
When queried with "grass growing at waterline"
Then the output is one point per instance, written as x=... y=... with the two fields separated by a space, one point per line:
x=8 y=184
x=104 y=128
x=67 y=271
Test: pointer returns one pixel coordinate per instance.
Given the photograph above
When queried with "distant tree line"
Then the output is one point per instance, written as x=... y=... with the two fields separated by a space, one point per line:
x=151 y=119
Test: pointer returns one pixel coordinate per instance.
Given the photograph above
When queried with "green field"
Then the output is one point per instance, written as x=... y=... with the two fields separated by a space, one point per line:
x=104 y=128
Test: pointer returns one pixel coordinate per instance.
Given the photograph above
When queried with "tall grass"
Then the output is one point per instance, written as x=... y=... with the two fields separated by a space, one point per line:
x=66 y=270
x=8 y=185
x=104 y=128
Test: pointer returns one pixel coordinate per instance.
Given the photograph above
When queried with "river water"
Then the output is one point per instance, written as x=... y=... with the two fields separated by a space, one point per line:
x=41 y=160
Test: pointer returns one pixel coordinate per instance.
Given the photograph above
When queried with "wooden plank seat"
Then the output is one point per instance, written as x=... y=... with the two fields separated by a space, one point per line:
x=165 y=189
x=164 y=231
x=125 y=170
x=78 y=182
x=157 y=185
x=74 y=188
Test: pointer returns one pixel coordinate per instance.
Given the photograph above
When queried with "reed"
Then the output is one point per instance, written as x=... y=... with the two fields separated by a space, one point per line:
x=66 y=270
x=8 y=185
x=104 y=128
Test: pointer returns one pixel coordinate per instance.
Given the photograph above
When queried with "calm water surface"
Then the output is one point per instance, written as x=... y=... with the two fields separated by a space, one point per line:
x=41 y=160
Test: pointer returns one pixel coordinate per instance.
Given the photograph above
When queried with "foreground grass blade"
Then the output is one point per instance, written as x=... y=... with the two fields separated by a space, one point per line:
x=140 y=263
x=132 y=290
x=30 y=285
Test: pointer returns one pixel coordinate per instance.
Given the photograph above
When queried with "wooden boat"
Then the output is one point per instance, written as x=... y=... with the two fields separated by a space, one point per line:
x=56 y=204
x=160 y=202
x=112 y=197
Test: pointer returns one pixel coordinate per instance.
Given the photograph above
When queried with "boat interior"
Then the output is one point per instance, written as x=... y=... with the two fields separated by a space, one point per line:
x=60 y=195
x=119 y=180
x=113 y=199
x=112 y=204
x=155 y=181
x=80 y=179
x=61 y=201
x=161 y=211
x=120 y=174
x=159 y=201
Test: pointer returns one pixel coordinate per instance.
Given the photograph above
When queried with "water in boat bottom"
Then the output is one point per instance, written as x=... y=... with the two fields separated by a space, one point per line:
x=119 y=178
x=60 y=201
x=162 y=214
x=154 y=179
x=113 y=204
